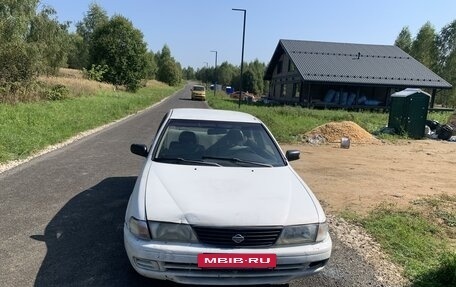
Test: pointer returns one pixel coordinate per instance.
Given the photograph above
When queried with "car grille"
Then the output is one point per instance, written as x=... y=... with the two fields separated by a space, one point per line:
x=191 y=274
x=238 y=236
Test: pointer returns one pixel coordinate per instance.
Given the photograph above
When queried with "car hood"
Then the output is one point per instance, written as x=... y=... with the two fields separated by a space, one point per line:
x=228 y=196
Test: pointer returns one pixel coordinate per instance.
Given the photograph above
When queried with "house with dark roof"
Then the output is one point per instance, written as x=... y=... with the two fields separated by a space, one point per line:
x=343 y=75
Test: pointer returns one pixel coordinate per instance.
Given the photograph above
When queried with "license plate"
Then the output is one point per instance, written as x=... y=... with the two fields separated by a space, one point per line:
x=236 y=261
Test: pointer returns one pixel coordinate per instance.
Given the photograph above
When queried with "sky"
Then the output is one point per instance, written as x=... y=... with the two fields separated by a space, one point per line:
x=194 y=28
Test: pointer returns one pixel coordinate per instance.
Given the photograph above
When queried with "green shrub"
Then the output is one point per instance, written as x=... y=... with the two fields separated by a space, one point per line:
x=57 y=92
x=95 y=73
x=16 y=92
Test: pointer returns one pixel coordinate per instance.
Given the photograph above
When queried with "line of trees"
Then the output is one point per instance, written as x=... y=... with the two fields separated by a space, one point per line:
x=437 y=51
x=110 y=49
x=229 y=75
x=33 y=42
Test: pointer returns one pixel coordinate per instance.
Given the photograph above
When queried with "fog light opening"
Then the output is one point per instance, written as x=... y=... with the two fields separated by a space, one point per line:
x=147 y=264
x=318 y=264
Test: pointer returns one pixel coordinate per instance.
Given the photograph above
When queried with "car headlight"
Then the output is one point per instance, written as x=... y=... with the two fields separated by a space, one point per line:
x=323 y=231
x=139 y=228
x=302 y=234
x=172 y=232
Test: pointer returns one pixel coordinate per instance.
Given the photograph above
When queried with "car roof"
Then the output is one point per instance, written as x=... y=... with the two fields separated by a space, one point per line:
x=212 y=115
x=201 y=86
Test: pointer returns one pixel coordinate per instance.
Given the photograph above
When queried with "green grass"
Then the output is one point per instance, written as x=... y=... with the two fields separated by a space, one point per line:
x=415 y=241
x=26 y=128
x=288 y=123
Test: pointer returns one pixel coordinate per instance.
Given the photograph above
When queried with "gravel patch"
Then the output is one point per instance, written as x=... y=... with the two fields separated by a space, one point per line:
x=356 y=238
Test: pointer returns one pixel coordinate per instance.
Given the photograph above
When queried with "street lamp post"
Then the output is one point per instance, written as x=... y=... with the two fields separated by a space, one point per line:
x=242 y=56
x=215 y=72
x=205 y=73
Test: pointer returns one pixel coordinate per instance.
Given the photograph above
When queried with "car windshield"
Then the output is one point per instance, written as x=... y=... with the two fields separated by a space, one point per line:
x=215 y=143
x=198 y=88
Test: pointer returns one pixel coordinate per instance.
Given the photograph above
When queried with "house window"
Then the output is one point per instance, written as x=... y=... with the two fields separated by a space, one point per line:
x=291 y=66
x=279 y=67
x=283 y=90
x=296 y=90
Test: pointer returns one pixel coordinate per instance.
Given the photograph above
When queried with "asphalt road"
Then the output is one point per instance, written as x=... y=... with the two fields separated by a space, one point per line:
x=62 y=213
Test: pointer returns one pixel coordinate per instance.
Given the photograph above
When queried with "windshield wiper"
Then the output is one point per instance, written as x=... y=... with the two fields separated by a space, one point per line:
x=238 y=160
x=180 y=159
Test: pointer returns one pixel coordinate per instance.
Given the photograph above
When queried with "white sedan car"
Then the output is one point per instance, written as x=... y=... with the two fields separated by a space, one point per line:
x=217 y=203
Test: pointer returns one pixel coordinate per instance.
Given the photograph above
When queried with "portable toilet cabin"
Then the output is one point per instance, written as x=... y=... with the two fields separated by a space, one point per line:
x=408 y=112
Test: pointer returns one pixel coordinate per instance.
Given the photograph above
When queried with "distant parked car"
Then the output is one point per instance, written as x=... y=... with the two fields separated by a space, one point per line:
x=218 y=203
x=198 y=93
x=267 y=101
x=245 y=96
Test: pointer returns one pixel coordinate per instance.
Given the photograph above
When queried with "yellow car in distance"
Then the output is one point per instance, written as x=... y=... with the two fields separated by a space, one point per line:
x=198 y=93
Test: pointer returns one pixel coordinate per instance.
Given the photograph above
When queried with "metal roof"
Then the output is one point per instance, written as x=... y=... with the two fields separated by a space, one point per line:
x=355 y=64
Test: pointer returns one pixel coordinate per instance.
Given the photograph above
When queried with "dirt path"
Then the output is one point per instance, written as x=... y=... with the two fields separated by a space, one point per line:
x=366 y=175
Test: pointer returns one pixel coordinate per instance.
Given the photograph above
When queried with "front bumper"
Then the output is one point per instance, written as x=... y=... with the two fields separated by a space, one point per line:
x=200 y=97
x=178 y=262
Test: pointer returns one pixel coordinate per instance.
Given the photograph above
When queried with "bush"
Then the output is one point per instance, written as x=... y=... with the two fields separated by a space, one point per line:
x=15 y=92
x=56 y=93
x=95 y=73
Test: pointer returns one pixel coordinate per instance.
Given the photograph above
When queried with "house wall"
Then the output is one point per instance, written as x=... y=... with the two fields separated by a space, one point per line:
x=285 y=85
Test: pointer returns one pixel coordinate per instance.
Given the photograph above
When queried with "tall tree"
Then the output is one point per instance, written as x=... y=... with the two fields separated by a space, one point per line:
x=447 y=38
x=151 y=66
x=188 y=73
x=446 y=42
x=78 y=53
x=15 y=18
x=51 y=38
x=169 y=70
x=205 y=75
x=404 y=40
x=225 y=73
x=449 y=73
x=248 y=81
x=95 y=17
x=120 y=47
x=257 y=69
x=19 y=60
x=424 y=47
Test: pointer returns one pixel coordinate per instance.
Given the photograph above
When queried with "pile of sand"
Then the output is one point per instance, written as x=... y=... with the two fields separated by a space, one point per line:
x=334 y=131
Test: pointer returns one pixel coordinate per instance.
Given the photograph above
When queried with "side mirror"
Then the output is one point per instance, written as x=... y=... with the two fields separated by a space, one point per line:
x=139 y=149
x=292 y=155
